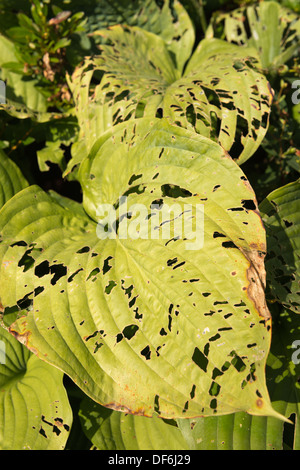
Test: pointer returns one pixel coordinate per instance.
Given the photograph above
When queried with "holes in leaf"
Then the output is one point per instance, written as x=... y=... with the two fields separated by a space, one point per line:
x=42 y=432
x=212 y=97
x=27 y=261
x=20 y=243
x=192 y=393
x=216 y=373
x=214 y=389
x=70 y=278
x=190 y=115
x=229 y=244
x=106 y=266
x=110 y=286
x=163 y=332
x=146 y=352
x=161 y=152
x=170 y=322
x=85 y=249
x=186 y=407
x=157 y=204
x=25 y=302
x=225 y=366
x=213 y=404
x=59 y=270
x=249 y=204
x=264 y=120
x=127 y=290
x=237 y=362
x=129 y=331
x=228 y=315
x=134 y=178
x=200 y=359
x=215 y=337
x=56 y=428
x=174 y=191
x=210 y=313
x=218 y=234
x=172 y=261
x=235 y=209
x=87 y=338
x=138 y=189
x=42 y=269
x=156 y=404
x=93 y=273
x=287 y=223
x=239 y=65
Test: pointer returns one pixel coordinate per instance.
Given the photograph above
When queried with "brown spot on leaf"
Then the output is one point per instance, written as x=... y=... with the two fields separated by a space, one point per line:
x=256 y=275
x=23 y=338
x=259 y=403
x=125 y=409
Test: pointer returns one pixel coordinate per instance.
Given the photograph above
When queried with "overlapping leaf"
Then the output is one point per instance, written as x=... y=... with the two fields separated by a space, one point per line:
x=281 y=215
x=11 y=178
x=168 y=20
x=272 y=29
x=220 y=94
x=113 y=430
x=150 y=322
x=22 y=98
x=34 y=410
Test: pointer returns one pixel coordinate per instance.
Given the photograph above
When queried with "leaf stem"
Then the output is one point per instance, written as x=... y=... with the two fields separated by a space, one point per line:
x=199 y=7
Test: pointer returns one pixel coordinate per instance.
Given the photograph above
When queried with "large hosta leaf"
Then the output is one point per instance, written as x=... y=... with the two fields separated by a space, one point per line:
x=220 y=94
x=272 y=29
x=281 y=215
x=34 y=409
x=148 y=319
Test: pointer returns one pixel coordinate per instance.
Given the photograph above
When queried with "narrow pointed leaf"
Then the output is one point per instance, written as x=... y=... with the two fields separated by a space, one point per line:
x=281 y=216
x=11 y=178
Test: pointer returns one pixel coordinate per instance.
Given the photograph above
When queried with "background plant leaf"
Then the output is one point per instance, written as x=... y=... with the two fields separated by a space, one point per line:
x=281 y=216
x=272 y=29
x=11 y=178
x=114 y=430
x=34 y=408
x=23 y=99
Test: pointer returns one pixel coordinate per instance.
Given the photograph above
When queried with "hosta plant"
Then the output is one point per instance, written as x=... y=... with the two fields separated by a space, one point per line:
x=162 y=299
